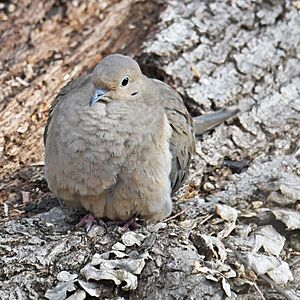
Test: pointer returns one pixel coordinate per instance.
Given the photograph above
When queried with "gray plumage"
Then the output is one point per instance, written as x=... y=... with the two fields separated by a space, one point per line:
x=118 y=143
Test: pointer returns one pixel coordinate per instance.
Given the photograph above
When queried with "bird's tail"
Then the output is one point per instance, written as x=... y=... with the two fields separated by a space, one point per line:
x=210 y=120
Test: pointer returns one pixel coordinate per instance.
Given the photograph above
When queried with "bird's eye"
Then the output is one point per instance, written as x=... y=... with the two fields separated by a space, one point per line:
x=125 y=81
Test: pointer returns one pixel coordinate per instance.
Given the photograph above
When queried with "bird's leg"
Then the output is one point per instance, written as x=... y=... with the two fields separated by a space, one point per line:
x=126 y=225
x=131 y=223
x=87 y=221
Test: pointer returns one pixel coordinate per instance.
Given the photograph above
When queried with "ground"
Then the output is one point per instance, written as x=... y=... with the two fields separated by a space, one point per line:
x=238 y=214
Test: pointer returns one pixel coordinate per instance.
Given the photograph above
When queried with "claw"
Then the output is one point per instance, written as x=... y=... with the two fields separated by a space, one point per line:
x=131 y=223
x=126 y=225
x=87 y=221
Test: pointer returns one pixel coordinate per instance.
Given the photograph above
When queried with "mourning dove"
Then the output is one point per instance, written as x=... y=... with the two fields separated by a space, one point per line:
x=118 y=144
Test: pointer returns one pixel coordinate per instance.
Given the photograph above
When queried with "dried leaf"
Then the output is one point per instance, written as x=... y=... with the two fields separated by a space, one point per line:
x=242 y=230
x=131 y=238
x=213 y=242
x=188 y=224
x=281 y=274
x=226 y=212
x=60 y=291
x=78 y=295
x=212 y=278
x=227 y=230
x=226 y=287
x=291 y=190
x=225 y=270
x=268 y=238
x=199 y=269
x=119 y=247
x=117 y=276
x=66 y=276
x=280 y=199
x=289 y=217
x=261 y=263
x=91 y=288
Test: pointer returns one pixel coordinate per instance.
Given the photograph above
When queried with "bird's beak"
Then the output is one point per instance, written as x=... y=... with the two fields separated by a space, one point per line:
x=99 y=93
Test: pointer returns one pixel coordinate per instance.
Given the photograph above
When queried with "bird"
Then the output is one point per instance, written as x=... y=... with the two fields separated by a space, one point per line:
x=119 y=144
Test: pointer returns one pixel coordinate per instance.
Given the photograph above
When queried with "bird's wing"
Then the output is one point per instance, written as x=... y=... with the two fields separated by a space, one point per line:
x=71 y=85
x=182 y=143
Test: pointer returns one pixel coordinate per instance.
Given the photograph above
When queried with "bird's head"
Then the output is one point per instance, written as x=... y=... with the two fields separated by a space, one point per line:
x=117 y=77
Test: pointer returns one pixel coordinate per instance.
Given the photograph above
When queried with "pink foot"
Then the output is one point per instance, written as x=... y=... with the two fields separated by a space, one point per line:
x=131 y=223
x=87 y=221
x=127 y=225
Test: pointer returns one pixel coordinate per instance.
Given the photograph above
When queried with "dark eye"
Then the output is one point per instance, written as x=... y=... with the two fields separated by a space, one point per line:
x=125 y=81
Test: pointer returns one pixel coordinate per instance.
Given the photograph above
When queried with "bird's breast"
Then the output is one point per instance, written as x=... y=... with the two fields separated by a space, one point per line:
x=106 y=133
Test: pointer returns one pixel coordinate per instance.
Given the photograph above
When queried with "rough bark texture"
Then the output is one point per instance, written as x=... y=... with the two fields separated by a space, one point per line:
x=215 y=53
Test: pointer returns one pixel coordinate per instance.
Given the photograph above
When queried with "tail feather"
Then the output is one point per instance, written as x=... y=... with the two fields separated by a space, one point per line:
x=211 y=120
